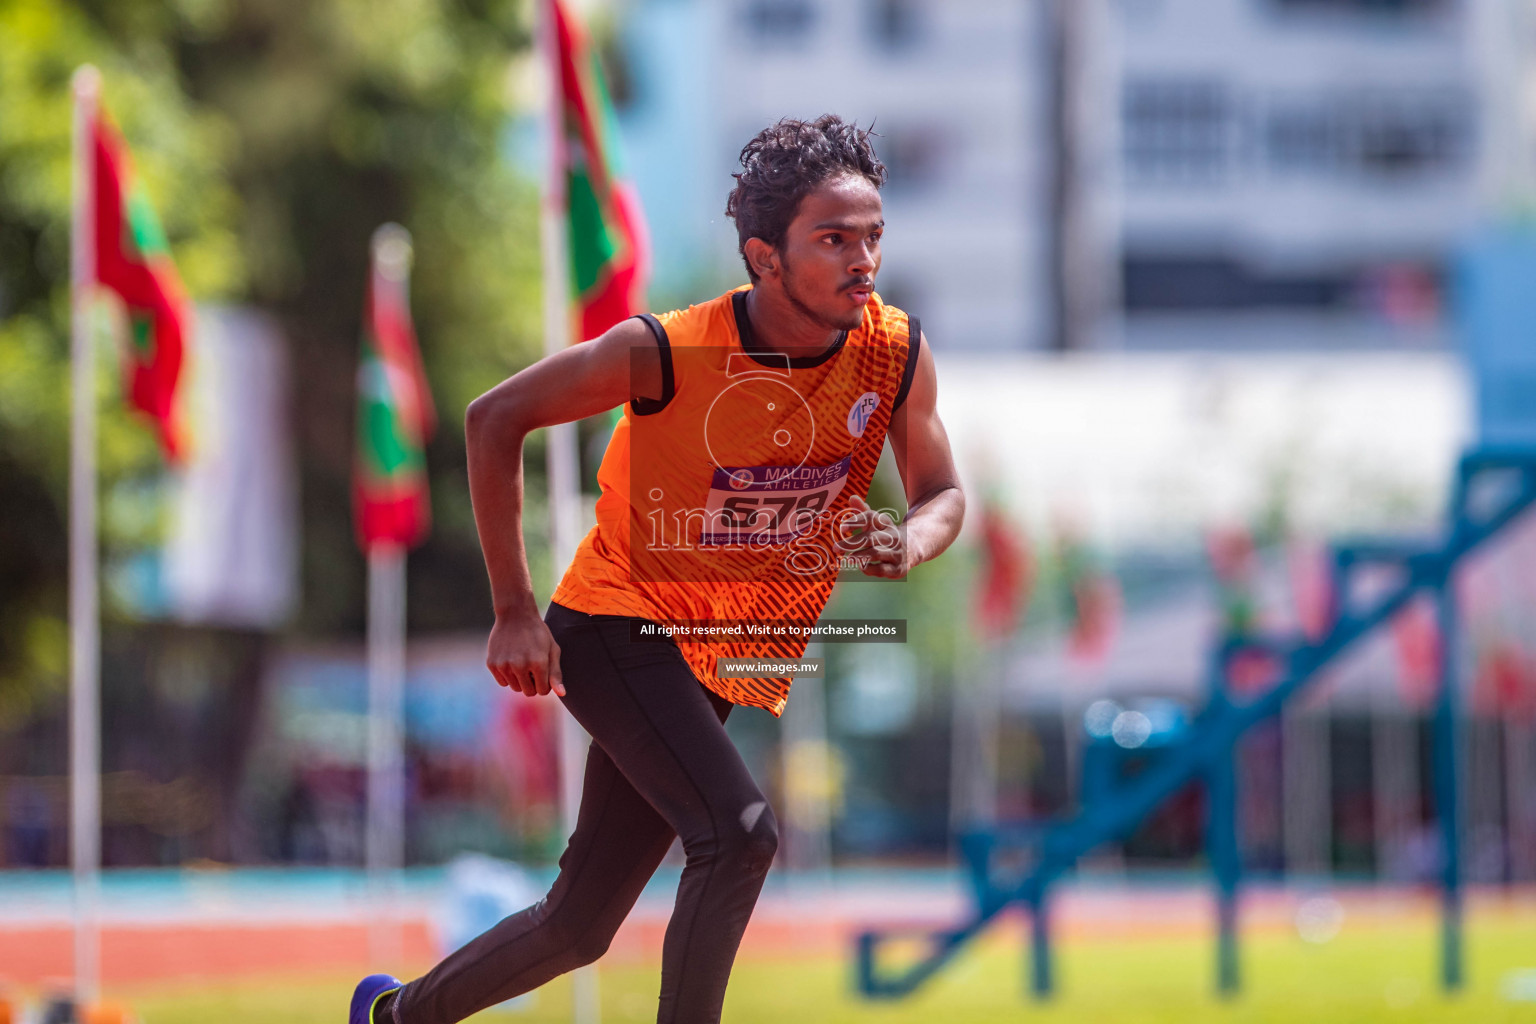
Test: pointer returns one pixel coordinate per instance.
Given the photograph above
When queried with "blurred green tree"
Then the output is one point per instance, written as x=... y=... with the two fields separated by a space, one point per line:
x=274 y=136
x=180 y=152
x=350 y=113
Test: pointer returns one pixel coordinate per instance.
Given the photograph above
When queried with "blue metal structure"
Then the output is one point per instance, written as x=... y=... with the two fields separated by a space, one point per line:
x=1016 y=865
x=1494 y=484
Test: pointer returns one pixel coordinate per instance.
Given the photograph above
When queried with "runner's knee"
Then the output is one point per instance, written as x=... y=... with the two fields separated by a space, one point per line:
x=744 y=839
x=576 y=942
x=589 y=948
x=758 y=839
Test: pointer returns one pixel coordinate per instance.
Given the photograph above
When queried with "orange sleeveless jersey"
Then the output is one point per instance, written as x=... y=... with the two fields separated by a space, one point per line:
x=720 y=501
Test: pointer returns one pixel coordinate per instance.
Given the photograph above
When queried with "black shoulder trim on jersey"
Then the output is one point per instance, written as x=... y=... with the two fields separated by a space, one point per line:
x=650 y=406
x=914 y=344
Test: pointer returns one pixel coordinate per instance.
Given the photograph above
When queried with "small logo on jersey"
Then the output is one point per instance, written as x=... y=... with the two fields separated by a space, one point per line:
x=741 y=479
x=862 y=410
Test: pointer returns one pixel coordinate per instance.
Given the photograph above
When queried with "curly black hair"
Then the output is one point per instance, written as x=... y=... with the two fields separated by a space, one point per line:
x=783 y=163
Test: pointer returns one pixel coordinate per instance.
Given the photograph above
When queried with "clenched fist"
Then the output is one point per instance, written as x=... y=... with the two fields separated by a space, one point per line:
x=522 y=655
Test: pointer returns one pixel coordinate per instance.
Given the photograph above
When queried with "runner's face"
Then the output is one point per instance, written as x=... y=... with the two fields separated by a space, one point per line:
x=831 y=252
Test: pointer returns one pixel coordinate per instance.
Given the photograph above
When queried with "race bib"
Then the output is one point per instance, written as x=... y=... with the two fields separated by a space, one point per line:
x=768 y=505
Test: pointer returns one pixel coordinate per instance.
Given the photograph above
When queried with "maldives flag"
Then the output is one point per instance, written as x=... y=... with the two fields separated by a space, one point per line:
x=608 y=252
x=1093 y=599
x=1007 y=572
x=395 y=417
x=133 y=260
x=1234 y=560
x=1416 y=639
x=1311 y=570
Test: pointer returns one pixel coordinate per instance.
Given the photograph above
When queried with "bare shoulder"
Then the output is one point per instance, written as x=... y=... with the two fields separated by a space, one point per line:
x=630 y=347
x=620 y=339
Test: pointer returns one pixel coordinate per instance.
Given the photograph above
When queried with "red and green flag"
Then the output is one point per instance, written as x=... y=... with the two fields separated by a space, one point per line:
x=1007 y=572
x=1235 y=561
x=395 y=417
x=606 y=229
x=133 y=260
x=1093 y=598
x=1416 y=641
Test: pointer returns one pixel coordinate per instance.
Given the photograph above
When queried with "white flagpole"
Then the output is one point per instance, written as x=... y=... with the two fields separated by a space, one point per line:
x=562 y=459
x=385 y=851
x=563 y=465
x=386 y=791
x=84 y=610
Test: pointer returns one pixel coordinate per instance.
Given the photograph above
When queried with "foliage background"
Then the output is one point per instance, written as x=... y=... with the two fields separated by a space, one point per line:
x=273 y=137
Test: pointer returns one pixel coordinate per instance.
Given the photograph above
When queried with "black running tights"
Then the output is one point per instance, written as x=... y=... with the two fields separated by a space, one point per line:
x=660 y=766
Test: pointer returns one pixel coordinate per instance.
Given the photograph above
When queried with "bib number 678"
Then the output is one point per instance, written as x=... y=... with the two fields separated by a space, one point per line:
x=744 y=512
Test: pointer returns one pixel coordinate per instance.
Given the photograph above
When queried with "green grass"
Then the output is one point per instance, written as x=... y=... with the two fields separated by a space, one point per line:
x=1366 y=974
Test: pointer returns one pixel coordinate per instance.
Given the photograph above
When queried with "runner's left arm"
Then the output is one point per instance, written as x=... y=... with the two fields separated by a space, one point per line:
x=935 y=502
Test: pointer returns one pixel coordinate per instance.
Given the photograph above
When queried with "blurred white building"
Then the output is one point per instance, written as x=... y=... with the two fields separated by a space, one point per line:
x=1240 y=175
x=1299 y=173
x=954 y=90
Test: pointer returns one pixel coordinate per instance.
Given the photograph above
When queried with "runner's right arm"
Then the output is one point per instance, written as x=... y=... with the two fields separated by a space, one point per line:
x=583 y=380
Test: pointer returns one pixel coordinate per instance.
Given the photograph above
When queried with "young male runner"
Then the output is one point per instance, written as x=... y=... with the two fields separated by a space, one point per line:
x=732 y=491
